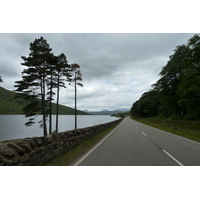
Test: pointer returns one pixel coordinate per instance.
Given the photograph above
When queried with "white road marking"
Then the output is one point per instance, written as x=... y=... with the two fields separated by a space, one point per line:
x=87 y=154
x=144 y=134
x=173 y=158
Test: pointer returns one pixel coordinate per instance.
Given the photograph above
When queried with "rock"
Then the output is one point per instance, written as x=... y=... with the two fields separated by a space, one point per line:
x=16 y=159
x=35 y=160
x=32 y=142
x=25 y=145
x=49 y=139
x=63 y=136
x=56 y=137
x=25 y=158
x=17 y=148
x=38 y=141
x=69 y=133
x=6 y=151
x=79 y=131
x=44 y=140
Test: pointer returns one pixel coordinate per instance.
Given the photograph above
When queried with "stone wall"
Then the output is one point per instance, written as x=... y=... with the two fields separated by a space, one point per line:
x=40 y=150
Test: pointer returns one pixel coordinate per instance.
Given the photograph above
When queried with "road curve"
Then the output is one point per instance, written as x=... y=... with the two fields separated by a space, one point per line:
x=134 y=144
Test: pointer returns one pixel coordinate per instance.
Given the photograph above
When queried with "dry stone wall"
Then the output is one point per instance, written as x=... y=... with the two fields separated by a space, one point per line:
x=40 y=150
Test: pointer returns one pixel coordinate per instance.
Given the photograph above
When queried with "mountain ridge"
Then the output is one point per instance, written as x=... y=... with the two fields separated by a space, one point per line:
x=107 y=112
x=10 y=105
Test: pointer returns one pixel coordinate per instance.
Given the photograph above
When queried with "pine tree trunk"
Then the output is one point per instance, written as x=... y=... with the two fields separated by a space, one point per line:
x=43 y=106
x=50 y=118
x=50 y=107
x=57 y=104
x=75 y=107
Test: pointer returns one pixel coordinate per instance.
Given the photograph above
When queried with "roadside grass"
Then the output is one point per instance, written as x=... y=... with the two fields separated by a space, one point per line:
x=187 y=129
x=71 y=155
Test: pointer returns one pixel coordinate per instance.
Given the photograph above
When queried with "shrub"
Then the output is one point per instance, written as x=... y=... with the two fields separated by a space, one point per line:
x=175 y=117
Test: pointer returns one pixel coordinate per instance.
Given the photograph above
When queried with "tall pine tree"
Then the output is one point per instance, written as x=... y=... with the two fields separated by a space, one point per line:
x=76 y=78
x=51 y=84
x=34 y=81
x=63 y=73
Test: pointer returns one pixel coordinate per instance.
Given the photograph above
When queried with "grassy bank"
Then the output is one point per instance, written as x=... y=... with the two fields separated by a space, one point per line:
x=187 y=129
x=70 y=156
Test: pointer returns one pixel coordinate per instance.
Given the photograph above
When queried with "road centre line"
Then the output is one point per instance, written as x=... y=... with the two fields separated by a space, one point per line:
x=179 y=163
x=144 y=134
x=173 y=158
x=87 y=154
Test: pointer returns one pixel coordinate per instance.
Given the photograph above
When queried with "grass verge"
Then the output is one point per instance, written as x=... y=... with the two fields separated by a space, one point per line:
x=68 y=157
x=187 y=129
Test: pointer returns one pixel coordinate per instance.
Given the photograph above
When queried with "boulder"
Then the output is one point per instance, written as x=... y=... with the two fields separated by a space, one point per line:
x=25 y=158
x=20 y=151
x=25 y=145
x=8 y=152
x=32 y=142
x=38 y=141
x=56 y=137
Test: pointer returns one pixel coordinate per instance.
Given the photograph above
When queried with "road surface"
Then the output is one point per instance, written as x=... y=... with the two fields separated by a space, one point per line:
x=134 y=144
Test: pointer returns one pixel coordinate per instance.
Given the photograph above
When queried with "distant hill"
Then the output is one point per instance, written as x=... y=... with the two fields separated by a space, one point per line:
x=10 y=105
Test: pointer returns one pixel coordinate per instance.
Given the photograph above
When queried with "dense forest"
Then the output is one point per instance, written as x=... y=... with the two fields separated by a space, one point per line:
x=176 y=95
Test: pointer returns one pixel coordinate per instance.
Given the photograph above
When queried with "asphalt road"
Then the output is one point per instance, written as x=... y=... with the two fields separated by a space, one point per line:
x=136 y=144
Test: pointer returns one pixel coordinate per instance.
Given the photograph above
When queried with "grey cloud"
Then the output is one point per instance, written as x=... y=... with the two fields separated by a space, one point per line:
x=117 y=68
x=9 y=68
x=107 y=53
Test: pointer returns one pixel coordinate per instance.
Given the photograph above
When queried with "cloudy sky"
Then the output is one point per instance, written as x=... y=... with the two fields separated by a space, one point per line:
x=121 y=46
x=116 y=68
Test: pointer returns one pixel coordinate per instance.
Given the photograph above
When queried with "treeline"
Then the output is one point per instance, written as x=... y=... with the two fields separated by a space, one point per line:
x=42 y=79
x=176 y=95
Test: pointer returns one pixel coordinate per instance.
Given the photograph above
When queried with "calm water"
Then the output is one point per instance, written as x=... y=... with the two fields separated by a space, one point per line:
x=12 y=126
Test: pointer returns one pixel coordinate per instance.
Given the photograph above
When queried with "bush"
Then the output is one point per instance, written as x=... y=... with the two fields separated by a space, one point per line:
x=175 y=117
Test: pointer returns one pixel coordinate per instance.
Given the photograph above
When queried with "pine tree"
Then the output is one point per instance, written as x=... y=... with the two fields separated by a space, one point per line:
x=34 y=81
x=63 y=73
x=51 y=83
x=1 y=80
x=76 y=78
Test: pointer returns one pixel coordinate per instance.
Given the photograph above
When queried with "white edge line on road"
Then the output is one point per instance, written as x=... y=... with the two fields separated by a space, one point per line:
x=173 y=158
x=144 y=134
x=87 y=154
